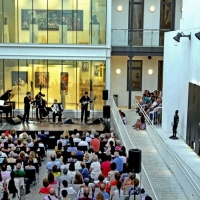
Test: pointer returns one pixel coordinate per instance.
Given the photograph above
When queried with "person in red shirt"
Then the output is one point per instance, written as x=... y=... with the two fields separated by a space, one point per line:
x=95 y=143
x=105 y=166
x=113 y=183
x=46 y=188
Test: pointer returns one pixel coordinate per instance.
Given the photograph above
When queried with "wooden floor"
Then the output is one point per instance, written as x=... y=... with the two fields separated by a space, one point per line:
x=49 y=127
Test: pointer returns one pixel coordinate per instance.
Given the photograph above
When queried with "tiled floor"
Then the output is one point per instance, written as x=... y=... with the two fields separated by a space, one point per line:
x=163 y=181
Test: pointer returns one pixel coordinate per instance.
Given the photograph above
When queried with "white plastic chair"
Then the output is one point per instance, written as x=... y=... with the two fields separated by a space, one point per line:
x=17 y=185
x=71 y=196
x=128 y=187
x=116 y=197
x=137 y=197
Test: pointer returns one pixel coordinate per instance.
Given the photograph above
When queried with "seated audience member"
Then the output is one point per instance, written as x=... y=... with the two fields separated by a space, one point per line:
x=102 y=190
x=3 y=155
x=73 y=157
x=11 y=186
x=30 y=165
x=13 y=133
x=114 y=183
x=70 y=190
x=11 y=158
x=95 y=143
x=123 y=149
x=71 y=147
x=111 y=148
x=112 y=132
x=156 y=112
x=64 y=162
x=5 y=195
x=78 y=179
x=130 y=180
x=153 y=106
x=46 y=188
x=118 y=161
x=140 y=124
x=71 y=171
x=91 y=153
x=83 y=142
x=86 y=193
x=4 y=172
x=118 y=145
x=119 y=192
x=135 y=190
x=95 y=168
x=125 y=173
x=124 y=118
x=53 y=162
x=51 y=179
x=10 y=144
x=93 y=133
x=99 y=196
x=121 y=155
x=22 y=157
x=59 y=148
x=44 y=138
x=33 y=156
x=85 y=185
x=6 y=148
x=101 y=180
x=4 y=138
x=64 y=194
x=109 y=138
x=84 y=171
x=52 y=195
x=56 y=171
x=65 y=176
x=105 y=166
x=88 y=138
x=77 y=138
x=86 y=157
x=111 y=173
x=30 y=142
x=62 y=140
x=79 y=155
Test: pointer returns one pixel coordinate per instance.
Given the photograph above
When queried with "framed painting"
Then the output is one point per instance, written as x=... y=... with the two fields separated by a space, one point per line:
x=97 y=71
x=41 y=79
x=85 y=66
x=51 y=19
x=19 y=78
x=64 y=77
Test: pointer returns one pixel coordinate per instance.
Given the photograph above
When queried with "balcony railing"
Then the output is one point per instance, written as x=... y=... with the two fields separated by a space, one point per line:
x=140 y=37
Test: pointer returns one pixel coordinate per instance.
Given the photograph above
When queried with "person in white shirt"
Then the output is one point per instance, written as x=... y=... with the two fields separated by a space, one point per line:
x=95 y=168
x=112 y=132
x=83 y=142
x=109 y=138
x=57 y=111
x=77 y=139
x=88 y=138
x=124 y=118
x=3 y=155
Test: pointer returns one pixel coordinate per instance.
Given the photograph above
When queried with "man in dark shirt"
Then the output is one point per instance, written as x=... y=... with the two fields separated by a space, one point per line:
x=38 y=101
x=85 y=100
x=27 y=101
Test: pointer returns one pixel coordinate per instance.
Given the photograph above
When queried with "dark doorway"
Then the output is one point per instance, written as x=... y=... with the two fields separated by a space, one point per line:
x=160 y=75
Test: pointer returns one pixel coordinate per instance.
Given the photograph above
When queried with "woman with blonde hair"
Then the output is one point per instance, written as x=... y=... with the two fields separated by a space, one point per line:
x=66 y=134
x=99 y=196
x=34 y=156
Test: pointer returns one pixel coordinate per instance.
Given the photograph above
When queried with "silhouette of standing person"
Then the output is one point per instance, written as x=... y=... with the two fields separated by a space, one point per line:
x=175 y=125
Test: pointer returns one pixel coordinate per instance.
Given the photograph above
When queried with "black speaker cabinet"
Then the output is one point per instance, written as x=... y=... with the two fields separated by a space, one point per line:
x=106 y=111
x=88 y=113
x=105 y=94
x=135 y=159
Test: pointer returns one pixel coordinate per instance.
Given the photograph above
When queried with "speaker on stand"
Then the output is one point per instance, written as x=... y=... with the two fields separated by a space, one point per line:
x=105 y=95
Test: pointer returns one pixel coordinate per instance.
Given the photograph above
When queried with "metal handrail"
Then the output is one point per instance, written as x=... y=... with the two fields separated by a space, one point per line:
x=172 y=152
x=138 y=29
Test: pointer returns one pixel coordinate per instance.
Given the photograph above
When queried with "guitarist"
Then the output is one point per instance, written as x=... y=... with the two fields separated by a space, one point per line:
x=85 y=100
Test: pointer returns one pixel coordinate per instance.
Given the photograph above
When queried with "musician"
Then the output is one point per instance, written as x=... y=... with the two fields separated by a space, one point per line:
x=27 y=102
x=84 y=100
x=57 y=111
x=39 y=105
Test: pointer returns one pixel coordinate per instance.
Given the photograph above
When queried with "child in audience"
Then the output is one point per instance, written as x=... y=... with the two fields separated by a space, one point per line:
x=140 y=124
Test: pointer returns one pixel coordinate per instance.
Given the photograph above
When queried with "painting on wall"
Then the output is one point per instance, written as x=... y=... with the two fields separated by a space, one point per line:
x=19 y=78
x=64 y=77
x=51 y=19
x=41 y=79
x=97 y=71
x=85 y=66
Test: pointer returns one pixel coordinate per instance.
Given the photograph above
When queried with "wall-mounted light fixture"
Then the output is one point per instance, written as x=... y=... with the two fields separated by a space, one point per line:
x=152 y=9
x=181 y=9
x=119 y=8
x=179 y=35
x=150 y=71
x=197 y=35
x=118 y=71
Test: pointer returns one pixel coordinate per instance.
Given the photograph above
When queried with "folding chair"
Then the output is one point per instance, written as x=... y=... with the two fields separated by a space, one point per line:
x=17 y=185
x=113 y=188
x=30 y=174
x=116 y=197
x=36 y=165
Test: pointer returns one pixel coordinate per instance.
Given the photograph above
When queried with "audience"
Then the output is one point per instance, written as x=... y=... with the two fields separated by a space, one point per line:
x=95 y=143
x=118 y=161
x=53 y=162
x=105 y=166
x=46 y=188
x=84 y=171
x=65 y=176
x=95 y=168
x=52 y=195
x=51 y=179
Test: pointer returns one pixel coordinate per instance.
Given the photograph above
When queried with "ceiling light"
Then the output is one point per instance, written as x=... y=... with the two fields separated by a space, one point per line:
x=119 y=8
x=118 y=71
x=152 y=9
x=150 y=71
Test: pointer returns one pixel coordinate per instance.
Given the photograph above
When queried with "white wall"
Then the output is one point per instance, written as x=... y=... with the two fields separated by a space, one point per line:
x=178 y=14
x=120 y=22
x=151 y=21
x=181 y=66
x=119 y=82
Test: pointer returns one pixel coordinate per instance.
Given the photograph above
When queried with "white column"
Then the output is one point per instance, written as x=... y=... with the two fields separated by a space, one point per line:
x=107 y=86
x=108 y=24
x=94 y=39
x=33 y=33
x=62 y=34
x=6 y=34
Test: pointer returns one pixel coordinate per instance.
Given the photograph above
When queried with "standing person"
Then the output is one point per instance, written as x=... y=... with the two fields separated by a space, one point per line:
x=57 y=111
x=27 y=101
x=38 y=100
x=84 y=100
x=175 y=125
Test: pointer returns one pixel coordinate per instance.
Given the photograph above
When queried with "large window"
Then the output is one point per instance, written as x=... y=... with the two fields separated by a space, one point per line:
x=53 y=22
x=136 y=78
x=63 y=80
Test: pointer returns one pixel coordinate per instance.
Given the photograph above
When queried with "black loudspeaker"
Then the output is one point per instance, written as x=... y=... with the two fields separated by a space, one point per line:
x=15 y=121
x=105 y=94
x=134 y=160
x=106 y=111
x=149 y=57
x=20 y=116
x=88 y=113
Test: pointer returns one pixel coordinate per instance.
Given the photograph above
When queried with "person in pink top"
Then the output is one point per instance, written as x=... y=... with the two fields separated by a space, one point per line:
x=51 y=179
x=95 y=143
x=105 y=166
